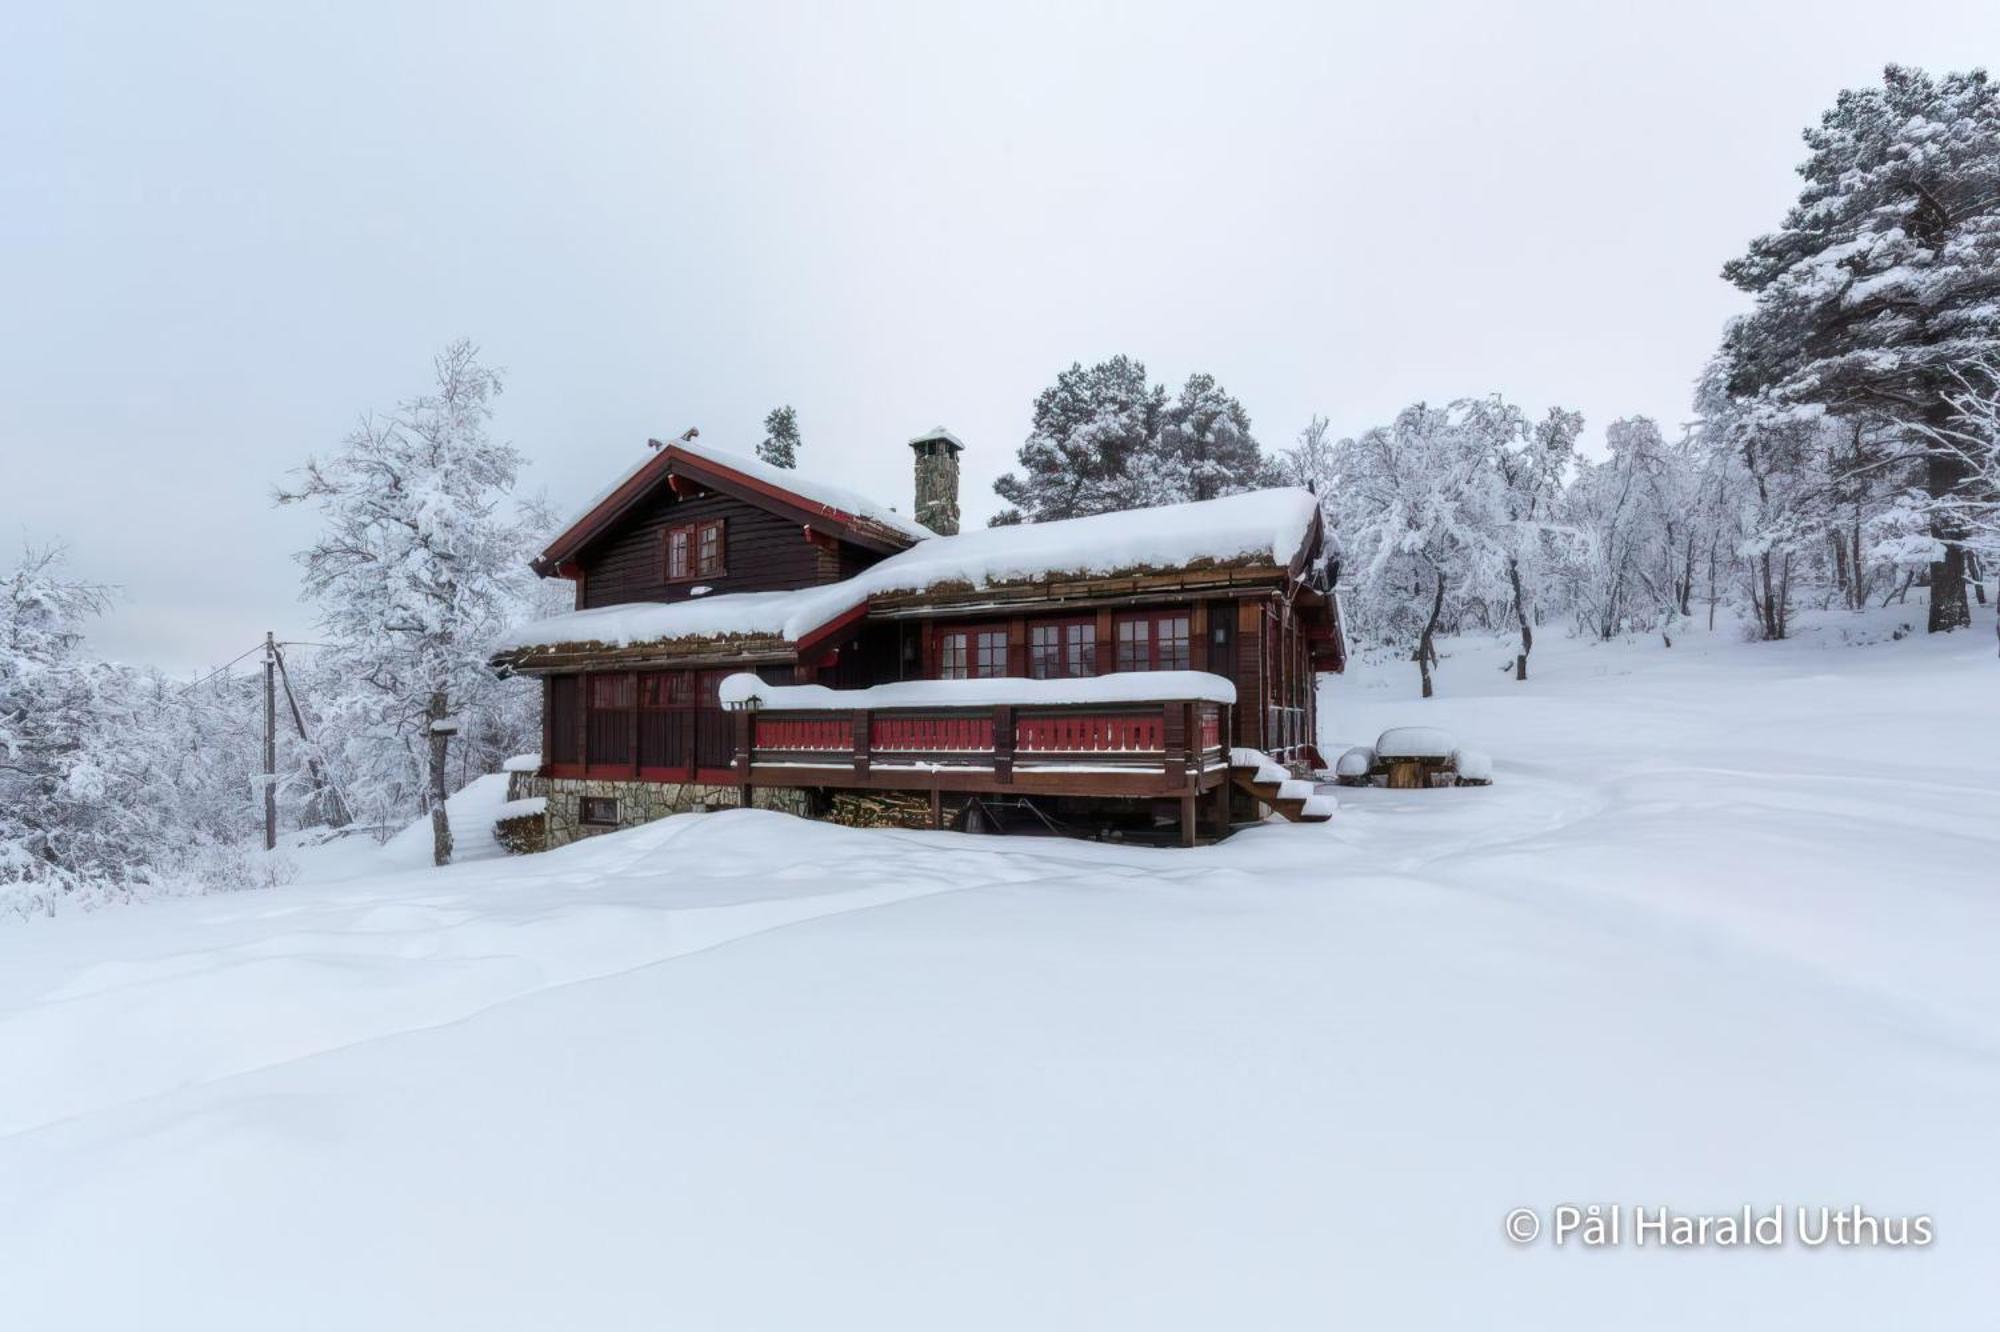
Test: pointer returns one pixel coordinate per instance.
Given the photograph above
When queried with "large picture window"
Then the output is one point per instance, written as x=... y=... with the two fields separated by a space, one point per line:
x=1153 y=641
x=1063 y=649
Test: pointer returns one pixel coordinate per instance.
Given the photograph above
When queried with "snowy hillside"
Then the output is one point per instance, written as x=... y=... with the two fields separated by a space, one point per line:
x=1722 y=932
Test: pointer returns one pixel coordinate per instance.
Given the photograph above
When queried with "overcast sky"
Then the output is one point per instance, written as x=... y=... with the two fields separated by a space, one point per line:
x=225 y=231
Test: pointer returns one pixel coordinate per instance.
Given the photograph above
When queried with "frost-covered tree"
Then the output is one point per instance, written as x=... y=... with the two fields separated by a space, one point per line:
x=1423 y=517
x=417 y=568
x=1974 y=441
x=1633 y=549
x=781 y=438
x=54 y=826
x=1530 y=462
x=1883 y=284
x=1769 y=472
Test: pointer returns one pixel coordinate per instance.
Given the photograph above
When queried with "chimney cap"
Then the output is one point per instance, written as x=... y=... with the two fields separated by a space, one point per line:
x=939 y=435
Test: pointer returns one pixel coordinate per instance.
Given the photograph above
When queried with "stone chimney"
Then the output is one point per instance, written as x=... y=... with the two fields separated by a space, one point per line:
x=937 y=480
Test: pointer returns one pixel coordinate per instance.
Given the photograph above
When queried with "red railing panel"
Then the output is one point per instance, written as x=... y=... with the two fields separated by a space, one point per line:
x=1090 y=733
x=805 y=733
x=939 y=734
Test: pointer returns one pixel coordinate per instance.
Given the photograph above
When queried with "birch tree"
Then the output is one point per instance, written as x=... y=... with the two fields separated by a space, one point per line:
x=417 y=567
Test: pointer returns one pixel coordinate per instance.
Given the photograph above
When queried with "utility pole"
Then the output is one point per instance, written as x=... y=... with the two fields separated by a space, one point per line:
x=270 y=742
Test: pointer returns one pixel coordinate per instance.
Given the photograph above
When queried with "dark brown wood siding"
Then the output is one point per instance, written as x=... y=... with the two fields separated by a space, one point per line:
x=764 y=552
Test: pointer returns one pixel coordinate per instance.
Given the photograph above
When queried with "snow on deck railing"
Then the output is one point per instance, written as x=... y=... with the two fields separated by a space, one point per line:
x=1126 y=687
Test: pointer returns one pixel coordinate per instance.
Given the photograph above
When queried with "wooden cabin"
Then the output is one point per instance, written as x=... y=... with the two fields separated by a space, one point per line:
x=1215 y=617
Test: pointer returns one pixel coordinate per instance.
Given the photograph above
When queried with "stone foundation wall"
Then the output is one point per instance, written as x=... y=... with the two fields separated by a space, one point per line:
x=642 y=802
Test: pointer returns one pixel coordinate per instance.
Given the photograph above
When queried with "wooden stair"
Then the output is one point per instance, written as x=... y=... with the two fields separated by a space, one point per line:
x=1291 y=799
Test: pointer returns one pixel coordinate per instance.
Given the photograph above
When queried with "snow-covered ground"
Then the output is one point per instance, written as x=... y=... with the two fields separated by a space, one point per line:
x=1725 y=930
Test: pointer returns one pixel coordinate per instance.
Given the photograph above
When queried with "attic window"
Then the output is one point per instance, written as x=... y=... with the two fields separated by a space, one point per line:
x=708 y=549
x=695 y=550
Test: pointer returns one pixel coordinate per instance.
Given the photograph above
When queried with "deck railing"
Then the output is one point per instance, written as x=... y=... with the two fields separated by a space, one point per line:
x=1158 y=746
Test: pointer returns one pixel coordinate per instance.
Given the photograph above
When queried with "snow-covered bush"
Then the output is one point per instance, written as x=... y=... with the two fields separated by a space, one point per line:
x=1354 y=767
x=1472 y=767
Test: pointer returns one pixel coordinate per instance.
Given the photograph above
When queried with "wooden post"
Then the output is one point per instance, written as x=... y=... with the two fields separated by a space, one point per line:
x=270 y=742
x=937 y=804
x=548 y=722
x=632 y=724
x=863 y=724
x=1187 y=819
x=1003 y=744
x=745 y=744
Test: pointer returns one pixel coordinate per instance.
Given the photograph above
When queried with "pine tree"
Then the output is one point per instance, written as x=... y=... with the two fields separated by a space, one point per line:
x=1104 y=439
x=417 y=569
x=1089 y=429
x=1884 y=282
x=781 y=438
x=1206 y=448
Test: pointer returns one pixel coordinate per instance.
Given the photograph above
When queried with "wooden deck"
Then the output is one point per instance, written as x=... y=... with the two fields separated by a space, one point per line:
x=1172 y=749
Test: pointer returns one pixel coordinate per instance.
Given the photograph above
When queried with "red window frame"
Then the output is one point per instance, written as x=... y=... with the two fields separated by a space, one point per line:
x=972 y=652
x=1062 y=649
x=695 y=550
x=1154 y=641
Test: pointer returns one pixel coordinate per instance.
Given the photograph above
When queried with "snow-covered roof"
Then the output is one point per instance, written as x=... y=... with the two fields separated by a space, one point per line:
x=766 y=614
x=803 y=484
x=1261 y=527
x=1129 y=687
x=1265 y=526
x=808 y=486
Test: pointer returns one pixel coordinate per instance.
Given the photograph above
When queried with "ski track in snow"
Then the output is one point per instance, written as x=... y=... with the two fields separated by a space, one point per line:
x=1722 y=931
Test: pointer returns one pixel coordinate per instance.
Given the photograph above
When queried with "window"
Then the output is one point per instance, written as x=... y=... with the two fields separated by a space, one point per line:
x=608 y=736
x=600 y=811
x=1155 y=641
x=1135 y=652
x=978 y=654
x=695 y=550
x=610 y=693
x=1056 y=650
x=662 y=689
x=708 y=549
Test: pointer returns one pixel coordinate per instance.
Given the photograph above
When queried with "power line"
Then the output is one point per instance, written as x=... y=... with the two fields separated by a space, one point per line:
x=254 y=647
